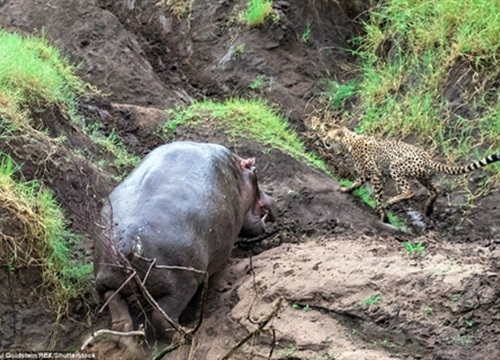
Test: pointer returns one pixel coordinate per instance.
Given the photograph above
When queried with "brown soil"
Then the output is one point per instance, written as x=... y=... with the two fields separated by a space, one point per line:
x=329 y=254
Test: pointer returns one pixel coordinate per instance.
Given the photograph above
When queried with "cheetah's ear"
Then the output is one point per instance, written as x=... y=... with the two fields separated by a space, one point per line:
x=342 y=131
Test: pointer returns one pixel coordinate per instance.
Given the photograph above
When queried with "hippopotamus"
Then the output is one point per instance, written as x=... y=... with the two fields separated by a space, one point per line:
x=184 y=205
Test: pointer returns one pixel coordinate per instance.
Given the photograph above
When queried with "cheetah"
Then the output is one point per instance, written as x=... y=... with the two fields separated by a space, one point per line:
x=377 y=159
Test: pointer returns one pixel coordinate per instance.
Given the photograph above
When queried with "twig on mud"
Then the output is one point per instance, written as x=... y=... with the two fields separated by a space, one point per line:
x=149 y=297
x=192 y=349
x=99 y=225
x=257 y=240
x=274 y=344
x=262 y=325
x=185 y=268
x=254 y=286
x=103 y=332
x=169 y=349
x=153 y=302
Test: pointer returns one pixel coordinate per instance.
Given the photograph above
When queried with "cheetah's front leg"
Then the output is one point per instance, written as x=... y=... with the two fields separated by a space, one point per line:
x=405 y=189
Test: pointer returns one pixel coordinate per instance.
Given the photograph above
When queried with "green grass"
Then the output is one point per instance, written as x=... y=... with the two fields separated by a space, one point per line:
x=249 y=119
x=257 y=11
x=365 y=196
x=33 y=72
x=40 y=237
x=258 y=83
x=373 y=300
x=338 y=94
x=414 y=249
x=262 y=83
x=289 y=351
x=402 y=91
x=305 y=308
x=428 y=310
x=124 y=159
x=34 y=75
x=239 y=50
x=306 y=35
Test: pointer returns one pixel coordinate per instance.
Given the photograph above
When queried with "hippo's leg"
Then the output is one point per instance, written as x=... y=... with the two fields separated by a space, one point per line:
x=120 y=317
x=173 y=305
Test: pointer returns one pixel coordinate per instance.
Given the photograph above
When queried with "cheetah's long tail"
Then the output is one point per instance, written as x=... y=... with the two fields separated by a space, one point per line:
x=457 y=170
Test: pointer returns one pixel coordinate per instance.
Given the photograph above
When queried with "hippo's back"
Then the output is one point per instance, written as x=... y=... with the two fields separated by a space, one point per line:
x=171 y=176
x=181 y=206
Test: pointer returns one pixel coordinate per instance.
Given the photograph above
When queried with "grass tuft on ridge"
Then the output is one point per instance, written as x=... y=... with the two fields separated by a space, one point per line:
x=34 y=73
x=248 y=119
x=257 y=11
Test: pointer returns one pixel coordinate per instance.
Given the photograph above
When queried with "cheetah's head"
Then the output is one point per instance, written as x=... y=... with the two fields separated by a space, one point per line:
x=339 y=137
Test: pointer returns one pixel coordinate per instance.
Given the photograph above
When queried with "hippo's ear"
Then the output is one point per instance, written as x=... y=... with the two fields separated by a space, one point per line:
x=247 y=163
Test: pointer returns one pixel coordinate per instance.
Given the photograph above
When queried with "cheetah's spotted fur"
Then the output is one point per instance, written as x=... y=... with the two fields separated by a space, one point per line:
x=377 y=159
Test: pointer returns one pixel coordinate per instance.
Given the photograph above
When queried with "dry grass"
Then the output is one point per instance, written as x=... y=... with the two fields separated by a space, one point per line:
x=34 y=234
x=178 y=8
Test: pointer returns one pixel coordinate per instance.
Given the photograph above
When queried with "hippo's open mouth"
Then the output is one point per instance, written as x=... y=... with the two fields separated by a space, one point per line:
x=264 y=213
x=267 y=212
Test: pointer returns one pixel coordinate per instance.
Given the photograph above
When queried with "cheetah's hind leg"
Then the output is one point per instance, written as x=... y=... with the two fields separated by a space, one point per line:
x=433 y=195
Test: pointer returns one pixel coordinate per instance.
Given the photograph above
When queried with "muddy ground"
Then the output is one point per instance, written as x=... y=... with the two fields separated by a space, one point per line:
x=329 y=255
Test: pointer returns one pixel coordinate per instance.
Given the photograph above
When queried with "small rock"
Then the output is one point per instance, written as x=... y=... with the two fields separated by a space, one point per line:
x=282 y=4
x=271 y=45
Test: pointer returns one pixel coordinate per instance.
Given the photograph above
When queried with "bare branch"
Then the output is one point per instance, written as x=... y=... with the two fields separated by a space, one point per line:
x=169 y=349
x=157 y=307
x=149 y=270
x=254 y=286
x=171 y=267
x=104 y=332
x=262 y=325
x=117 y=291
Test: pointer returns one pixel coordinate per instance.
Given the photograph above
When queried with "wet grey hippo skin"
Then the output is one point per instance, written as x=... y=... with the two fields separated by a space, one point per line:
x=184 y=204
